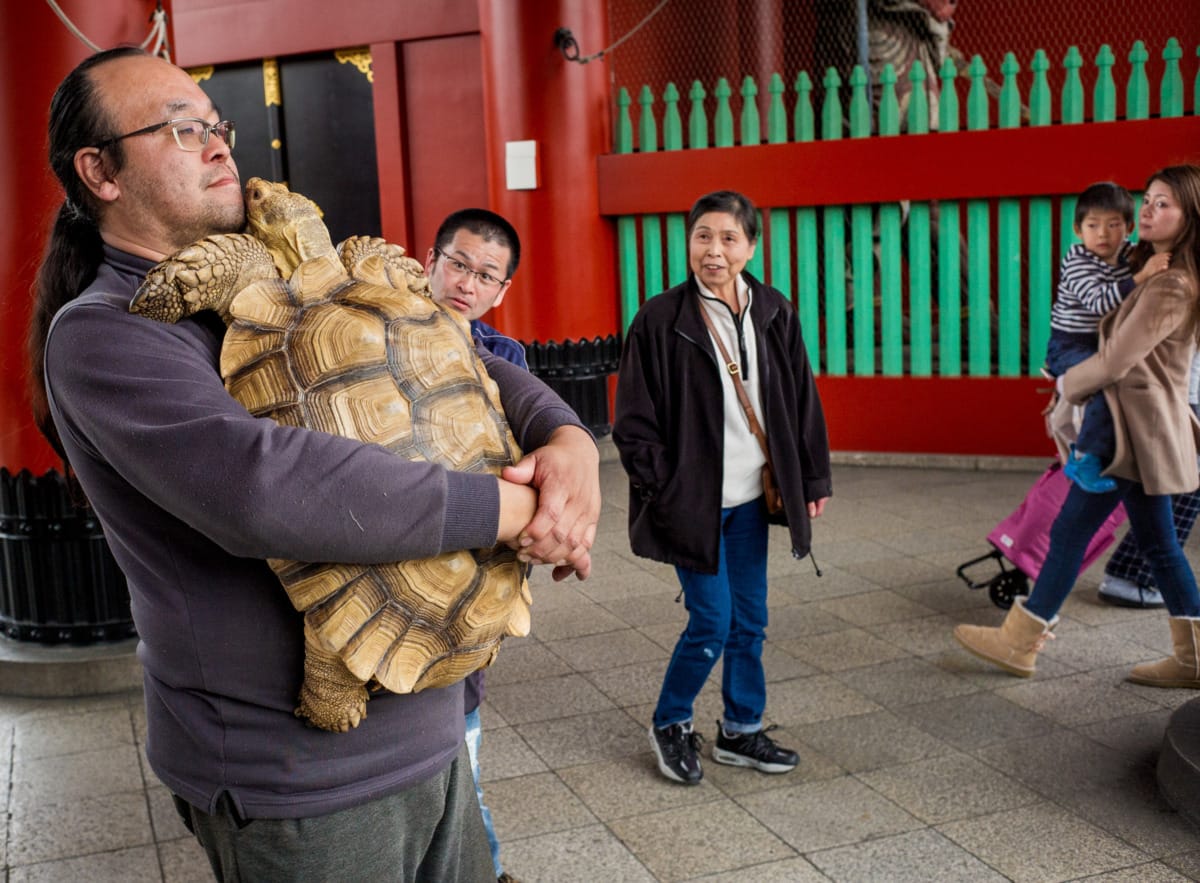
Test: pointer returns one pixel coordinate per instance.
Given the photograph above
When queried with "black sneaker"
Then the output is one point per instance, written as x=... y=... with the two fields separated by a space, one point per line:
x=756 y=750
x=677 y=750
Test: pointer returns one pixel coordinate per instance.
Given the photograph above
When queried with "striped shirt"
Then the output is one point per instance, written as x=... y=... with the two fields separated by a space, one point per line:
x=1088 y=288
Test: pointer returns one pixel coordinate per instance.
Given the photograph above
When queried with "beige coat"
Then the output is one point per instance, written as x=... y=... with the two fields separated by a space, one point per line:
x=1146 y=348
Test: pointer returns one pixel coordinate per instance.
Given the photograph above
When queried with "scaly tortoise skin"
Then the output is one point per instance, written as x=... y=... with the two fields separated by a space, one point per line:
x=352 y=344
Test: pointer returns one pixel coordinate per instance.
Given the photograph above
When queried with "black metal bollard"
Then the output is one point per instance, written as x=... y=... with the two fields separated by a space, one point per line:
x=58 y=580
x=579 y=371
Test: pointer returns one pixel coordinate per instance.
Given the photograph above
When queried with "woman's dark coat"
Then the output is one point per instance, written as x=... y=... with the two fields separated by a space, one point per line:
x=670 y=424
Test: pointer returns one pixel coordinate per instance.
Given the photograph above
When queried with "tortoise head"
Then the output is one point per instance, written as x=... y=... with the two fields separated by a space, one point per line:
x=288 y=223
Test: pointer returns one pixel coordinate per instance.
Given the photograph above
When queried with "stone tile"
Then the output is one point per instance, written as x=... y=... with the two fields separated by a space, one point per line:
x=164 y=818
x=1136 y=813
x=650 y=610
x=841 y=553
x=78 y=827
x=136 y=865
x=184 y=861
x=976 y=720
x=67 y=777
x=678 y=844
x=585 y=618
x=665 y=635
x=869 y=741
x=503 y=754
x=591 y=853
x=926 y=636
x=805 y=700
x=537 y=804
x=616 y=579
x=545 y=699
x=950 y=786
x=525 y=662
x=819 y=815
x=1062 y=762
x=586 y=738
x=789 y=870
x=835 y=582
x=1187 y=863
x=72 y=733
x=1085 y=647
x=1137 y=738
x=916 y=857
x=1078 y=699
x=946 y=595
x=1041 y=842
x=631 y=684
x=873 y=608
x=905 y=682
x=631 y=786
x=841 y=650
x=801 y=620
x=1151 y=872
x=896 y=572
x=594 y=652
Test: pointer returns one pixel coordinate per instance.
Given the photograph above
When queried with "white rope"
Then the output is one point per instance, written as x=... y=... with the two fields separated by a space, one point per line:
x=158 y=31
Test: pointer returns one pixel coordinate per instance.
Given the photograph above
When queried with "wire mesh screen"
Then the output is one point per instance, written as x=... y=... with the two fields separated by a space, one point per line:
x=690 y=40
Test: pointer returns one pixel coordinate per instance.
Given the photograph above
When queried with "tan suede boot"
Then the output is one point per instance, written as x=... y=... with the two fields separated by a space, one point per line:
x=1180 y=670
x=1013 y=646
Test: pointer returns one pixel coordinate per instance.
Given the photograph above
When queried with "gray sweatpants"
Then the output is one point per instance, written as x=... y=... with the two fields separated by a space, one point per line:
x=431 y=831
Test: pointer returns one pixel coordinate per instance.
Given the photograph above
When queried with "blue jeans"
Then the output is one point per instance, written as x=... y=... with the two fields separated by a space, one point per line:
x=1149 y=519
x=1097 y=435
x=727 y=613
x=474 y=740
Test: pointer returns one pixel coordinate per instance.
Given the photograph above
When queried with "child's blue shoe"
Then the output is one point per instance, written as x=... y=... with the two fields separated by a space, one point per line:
x=1084 y=470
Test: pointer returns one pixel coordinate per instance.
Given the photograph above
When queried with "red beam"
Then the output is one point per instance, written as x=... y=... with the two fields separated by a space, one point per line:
x=1043 y=160
x=217 y=31
x=983 y=416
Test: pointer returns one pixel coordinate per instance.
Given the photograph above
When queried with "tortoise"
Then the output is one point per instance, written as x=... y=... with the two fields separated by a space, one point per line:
x=349 y=341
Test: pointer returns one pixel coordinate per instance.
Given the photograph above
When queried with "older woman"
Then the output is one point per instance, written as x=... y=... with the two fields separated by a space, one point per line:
x=695 y=471
x=1146 y=348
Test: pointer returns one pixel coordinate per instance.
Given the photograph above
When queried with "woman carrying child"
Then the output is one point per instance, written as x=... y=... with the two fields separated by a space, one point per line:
x=1146 y=349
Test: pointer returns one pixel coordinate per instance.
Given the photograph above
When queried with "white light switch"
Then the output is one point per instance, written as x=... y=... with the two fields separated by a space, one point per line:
x=520 y=165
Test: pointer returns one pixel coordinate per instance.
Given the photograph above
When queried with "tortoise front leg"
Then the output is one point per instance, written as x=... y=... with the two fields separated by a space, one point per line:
x=394 y=269
x=331 y=697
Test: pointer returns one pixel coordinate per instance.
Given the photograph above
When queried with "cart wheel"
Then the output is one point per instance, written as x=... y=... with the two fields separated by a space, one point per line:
x=1004 y=589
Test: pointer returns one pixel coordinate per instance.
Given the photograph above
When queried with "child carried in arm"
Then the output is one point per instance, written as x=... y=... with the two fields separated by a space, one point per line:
x=1094 y=278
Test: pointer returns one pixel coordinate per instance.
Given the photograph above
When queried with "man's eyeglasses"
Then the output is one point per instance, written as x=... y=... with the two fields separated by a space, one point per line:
x=458 y=268
x=191 y=134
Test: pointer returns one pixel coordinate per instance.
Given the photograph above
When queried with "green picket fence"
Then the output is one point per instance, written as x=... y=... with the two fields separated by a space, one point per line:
x=883 y=303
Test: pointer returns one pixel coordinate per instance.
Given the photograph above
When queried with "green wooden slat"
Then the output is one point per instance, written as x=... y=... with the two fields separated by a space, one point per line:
x=808 y=291
x=949 y=280
x=627 y=251
x=697 y=118
x=1196 y=88
x=978 y=111
x=831 y=107
x=1170 y=103
x=751 y=123
x=889 y=106
x=803 y=120
x=891 y=305
x=1041 y=232
x=979 y=300
x=862 y=263
x=1066 y=225
x=918 y=103
x=1104 y=96
x=723 y=121
x=781 y=251
x=776 y=113
x=920 y=277
x=755 y=264
x=652 y=235
x=1008 y=275
x=1137 y=90
x=676 y=237
x=1041 y=270
x=949 y=293
x=1072 y=90
x=860 y=104
x=834 y=243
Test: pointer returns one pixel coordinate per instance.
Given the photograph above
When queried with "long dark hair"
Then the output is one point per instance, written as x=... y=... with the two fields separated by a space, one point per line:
x=74 y=249
x=1184 y=182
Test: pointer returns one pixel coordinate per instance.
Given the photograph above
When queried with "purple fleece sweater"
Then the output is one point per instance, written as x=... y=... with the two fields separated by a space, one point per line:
x=194 y=493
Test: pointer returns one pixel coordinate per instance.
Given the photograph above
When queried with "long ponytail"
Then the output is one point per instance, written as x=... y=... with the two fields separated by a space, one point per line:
x=74 y=249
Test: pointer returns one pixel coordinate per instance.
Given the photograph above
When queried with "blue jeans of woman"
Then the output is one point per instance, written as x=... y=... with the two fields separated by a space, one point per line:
x=727 y=613
x=1149 y=519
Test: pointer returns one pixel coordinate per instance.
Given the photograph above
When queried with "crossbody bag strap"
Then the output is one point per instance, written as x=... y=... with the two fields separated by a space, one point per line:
x=734 y=373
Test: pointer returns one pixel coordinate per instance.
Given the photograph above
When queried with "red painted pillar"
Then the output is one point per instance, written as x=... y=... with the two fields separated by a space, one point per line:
x=566 y=285
x=36 y=52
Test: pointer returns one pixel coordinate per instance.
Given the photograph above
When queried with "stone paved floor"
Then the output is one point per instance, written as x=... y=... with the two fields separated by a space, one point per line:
x=918 y=763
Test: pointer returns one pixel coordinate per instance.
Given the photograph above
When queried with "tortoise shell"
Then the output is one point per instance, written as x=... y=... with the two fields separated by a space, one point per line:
x=367 y=356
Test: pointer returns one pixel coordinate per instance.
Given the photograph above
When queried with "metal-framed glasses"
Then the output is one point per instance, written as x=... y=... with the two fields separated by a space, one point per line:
x=191 y=133
x=458 y=268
